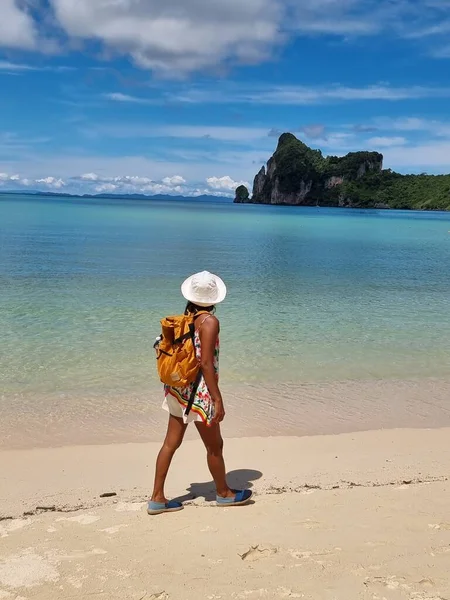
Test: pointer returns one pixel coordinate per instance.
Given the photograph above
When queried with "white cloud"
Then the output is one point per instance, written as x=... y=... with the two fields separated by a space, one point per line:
x=131 y=180
x=175 y=184
x=133 y=184
x=434 y=156
x=214 y=132
x=225 y=183
x=226 y=134
x=120 y=184
x=386 y=142
x=4 y=177
x=336 y=17
x=52 y=182
x=16 y=68
x=10 y=66
x=161 y=188
x=188 y=163
x=306 y=95
x=17 y=29
x=431 y=30
x=442 y=52
x=177 y=35
x=415 y=124
x=119 y=97
x=404 y=124
x=176 y=180
x=105 y=187
x=180 y=37
x=314 y=131
x=16 y=181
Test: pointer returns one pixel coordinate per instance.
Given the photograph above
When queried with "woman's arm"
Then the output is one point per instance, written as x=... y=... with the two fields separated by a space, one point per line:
x=208 y=331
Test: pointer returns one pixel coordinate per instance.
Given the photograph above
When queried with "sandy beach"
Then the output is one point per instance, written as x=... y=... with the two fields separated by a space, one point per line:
x=361 y=515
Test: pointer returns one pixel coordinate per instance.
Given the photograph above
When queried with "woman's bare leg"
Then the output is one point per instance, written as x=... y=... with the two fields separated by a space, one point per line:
x=174 y=436
x=212 y=438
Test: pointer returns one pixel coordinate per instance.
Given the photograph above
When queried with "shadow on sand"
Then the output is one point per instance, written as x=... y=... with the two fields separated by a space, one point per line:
x=241 y=479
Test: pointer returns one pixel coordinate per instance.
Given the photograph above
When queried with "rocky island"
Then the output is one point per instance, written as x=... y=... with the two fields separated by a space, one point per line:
x=297 y=175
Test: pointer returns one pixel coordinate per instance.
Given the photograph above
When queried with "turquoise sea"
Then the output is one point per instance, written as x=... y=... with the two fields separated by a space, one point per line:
x=317 y=297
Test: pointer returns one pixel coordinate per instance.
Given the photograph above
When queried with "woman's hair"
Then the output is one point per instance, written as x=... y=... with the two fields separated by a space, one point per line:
x=192 y=309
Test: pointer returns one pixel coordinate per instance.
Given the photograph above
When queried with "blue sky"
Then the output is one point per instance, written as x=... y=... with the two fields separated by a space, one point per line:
x=189 y=96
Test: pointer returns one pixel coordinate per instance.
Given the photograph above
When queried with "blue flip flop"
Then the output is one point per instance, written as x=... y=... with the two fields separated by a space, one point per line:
x=158 y=508
x=242 y=497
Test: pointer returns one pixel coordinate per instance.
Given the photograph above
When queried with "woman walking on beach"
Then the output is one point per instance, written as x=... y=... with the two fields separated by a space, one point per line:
x=199 y=402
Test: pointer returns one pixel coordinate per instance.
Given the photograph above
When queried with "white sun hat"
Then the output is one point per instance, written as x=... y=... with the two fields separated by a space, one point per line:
x=204 y=289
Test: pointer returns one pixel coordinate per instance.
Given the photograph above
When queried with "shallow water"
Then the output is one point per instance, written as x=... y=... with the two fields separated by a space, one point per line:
x=316 y=296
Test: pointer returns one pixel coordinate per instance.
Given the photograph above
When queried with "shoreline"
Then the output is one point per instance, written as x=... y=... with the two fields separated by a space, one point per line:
x=73 y=477
x=278 y=409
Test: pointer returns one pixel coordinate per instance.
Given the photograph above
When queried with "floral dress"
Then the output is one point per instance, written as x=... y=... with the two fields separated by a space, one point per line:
x=176 y=399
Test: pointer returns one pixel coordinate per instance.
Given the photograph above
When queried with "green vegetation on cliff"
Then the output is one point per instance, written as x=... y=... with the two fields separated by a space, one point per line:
x=299 y=175
x=393 y=190
x=295 y=162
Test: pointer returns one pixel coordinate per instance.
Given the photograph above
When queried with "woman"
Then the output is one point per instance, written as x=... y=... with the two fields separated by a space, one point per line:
x=203 y=292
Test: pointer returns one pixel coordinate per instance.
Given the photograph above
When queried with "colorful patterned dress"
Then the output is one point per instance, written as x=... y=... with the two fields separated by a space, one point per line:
x=176 y=399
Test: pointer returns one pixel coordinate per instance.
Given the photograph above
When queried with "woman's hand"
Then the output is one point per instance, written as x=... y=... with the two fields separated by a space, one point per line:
x=219 y=411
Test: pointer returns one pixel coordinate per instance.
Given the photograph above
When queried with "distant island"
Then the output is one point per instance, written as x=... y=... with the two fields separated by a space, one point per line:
x=297 y=175
x=110 y=196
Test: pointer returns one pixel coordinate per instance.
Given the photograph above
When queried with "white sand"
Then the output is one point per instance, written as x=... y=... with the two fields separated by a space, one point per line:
x=361 y=515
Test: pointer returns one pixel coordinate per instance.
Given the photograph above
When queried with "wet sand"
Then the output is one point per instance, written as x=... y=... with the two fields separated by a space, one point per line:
x=276 y=409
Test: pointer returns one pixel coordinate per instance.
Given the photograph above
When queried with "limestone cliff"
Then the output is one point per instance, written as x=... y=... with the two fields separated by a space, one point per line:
x=298 y=175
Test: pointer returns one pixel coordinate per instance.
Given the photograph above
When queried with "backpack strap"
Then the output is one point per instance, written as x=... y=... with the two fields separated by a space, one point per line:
x=205 y=319
x=193 y=393
x=200 y=313
x=191 y=332
x=184 y=337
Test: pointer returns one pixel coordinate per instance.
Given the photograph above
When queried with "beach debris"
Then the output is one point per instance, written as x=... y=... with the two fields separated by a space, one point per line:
x=108 y=495
x=39 y=509
x=427 y=582
x=61 y=509
x=158 y=596
x=288 y=593
x=257 y=552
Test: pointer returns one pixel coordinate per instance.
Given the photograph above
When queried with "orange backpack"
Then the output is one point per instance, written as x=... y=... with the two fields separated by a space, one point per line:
x=176 y=360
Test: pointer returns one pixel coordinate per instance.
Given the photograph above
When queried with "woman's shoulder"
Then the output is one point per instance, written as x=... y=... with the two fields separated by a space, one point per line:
x=209 y=322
